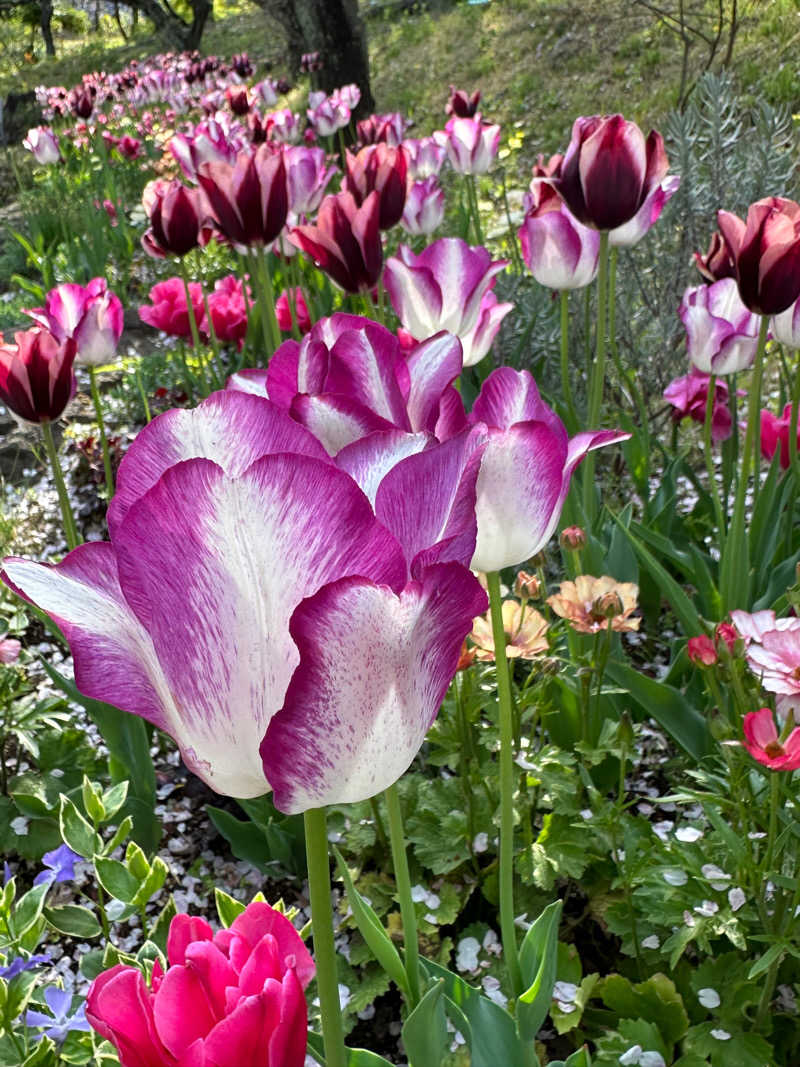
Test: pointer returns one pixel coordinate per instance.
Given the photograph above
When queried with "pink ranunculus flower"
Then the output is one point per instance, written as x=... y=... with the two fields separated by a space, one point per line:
x=226 y=998
x=228 y=310
x=721 y=334
x=167 y=310
x=283 y=311
x=688 y=396
x=92 y=315
x=775 y=435
x=763 y=743
x=42 y=143
x=424 y=208
x=442 y=288
x=471 y=144
x=292 y=622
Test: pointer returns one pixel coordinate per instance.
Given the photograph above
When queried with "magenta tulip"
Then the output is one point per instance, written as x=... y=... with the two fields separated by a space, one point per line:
x=36 y=377
x=226 y=999
x=345 y=241
x=91 y=314
x=327 y=114
x=249 y=200
x=610 y=171
x=425 y=157
x=471 y=145
x=461 y=104
x=688 y=396
x=168 y=311
x=717 y=263
x=721 y=334
x=766 y=252
x=177 y=219
x=382 y=169
x=775 y=432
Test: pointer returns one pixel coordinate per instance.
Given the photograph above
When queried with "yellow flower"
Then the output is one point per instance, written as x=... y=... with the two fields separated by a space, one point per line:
x=525 y=633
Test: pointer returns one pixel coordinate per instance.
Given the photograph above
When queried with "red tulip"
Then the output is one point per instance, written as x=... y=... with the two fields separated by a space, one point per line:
x=462 y=104
x=702 y=651
x=177 y=221
x=775 y=434
x=249 y=200
x=766 y=252
x=609 y=170
x=717 y=263
x=345 y=241
x=384 y=169
x=36 y=378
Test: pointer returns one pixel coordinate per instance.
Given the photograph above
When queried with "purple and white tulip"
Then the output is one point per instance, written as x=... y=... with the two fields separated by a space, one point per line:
x=42 y=143
x=308 y=177
x=785 y=327
x=425 y=157
x=471 y=144
x=424 y=208
x=721 y=334
x=92 y=315
x=560 y=252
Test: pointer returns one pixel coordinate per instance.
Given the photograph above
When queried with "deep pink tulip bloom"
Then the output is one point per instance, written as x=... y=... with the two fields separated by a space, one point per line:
x=461 y=104
x=762 y=742
x=284 y=126
x=384 y=170
x=389 y=128
x=525 y=470
x=167 y=310
x=283 y=311
x=702 y=651
x=177 y=219
x=785 y=327
x=688 y=395
x=243 y=566
x=541 y=189
x=129 y=147
x=249 y=200
x=766 y=252
x=36 y=377
x=721 y=334
x=237 y=99
x=42 y=143
x=717 y=263
x=560 y=252
x=424 y=208
x=443 y=288
x=308 y=177
x=775 y=430
x=345 y=241
x=226 y=999
x=211 y=142
x=228 y=310
x=610 y=172
x=471 y=145
x=90 y=314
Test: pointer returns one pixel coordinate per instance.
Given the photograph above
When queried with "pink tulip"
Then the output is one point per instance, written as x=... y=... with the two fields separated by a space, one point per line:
x=425 y=157
x=766 y=252
x=42 y=143
x=688 y=396
x=283 y=311
x=284 y=126
x=721 y=334
x=345 y=241
x=327 y=114
x=471 y=145
x=308 y=176
x=167 y=310
x=382 y=169
x=226 y=999
x=424 y=208
x=702 y=651
x=10 y=649
x=775 y=433
x=266 y=91
x=91 y=314
x=762 y=742
x=226 y=305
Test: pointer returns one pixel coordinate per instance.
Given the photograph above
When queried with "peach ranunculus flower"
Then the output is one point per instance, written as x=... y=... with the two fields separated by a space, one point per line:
x=525 y=633
x=592 y=604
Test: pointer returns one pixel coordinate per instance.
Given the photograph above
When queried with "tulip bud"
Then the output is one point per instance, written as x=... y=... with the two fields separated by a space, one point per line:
x=726 y=636
x=573 y=538
x=527 y=586
x=701 y=651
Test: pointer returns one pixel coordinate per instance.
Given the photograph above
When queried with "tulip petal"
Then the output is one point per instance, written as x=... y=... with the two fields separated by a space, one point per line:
x=259 y=920
x=231 y=428
x=369 y=459
x=335 y=420
x=362 y=366
x=433 y=365
x=184 y=930
x=297 y=368
x=182 y=988
x=118 y=1008
x=346 y=732
x=509 y=396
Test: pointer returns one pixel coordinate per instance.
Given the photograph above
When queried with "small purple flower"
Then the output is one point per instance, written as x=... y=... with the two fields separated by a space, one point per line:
x=59 y=1024
x=18 y=965
x=61 y=862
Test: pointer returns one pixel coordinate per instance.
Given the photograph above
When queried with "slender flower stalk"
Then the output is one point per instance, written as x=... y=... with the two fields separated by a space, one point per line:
x=713 y=488
x=269 y=299
x=472 y=196
x=70 y=531
x=566 y=388
x=403 y=881
x=793 y=418
x=507 y=928
x=98 y=410
x=598 y=374
x=193 y=327
x=319 y=889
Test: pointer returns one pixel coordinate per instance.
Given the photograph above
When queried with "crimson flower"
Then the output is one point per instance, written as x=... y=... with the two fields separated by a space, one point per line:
x=36 y=377
x=717 y=263
x=463 y=104
x=249 y=200
x=762 y=742
x=176 y=219
x=345 y=241
x=766 y=253
x=384 y=169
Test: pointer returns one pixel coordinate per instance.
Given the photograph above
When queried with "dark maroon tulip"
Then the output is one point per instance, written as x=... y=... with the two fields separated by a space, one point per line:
x=609 y=170
x=36 y=379
x=346 y=241
x=177 y=219
x=717 y=263
x=249 y=199
x=766 y=252
x=257 y=128
x=81 y=102
x=238 y=99
x=382 y=169
x=461 y=104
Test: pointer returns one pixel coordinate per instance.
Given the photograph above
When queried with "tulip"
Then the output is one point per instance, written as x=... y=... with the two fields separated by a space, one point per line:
x=382 y=169
x=177 y=222
x=42 y=143
x=92 y=315
x=36 y=378
x=610 y=172
x=630 y=233
x=210 y=143
x=233 y=997
x=129 y=147
x=475 y=343
x=785 y=327
x=389 y=128
x=471 y=145
x=762 y=742
x=766 y=252
x=168 y=311
x=228 y=311
x=244 y=567
x=592 y=604
x=541 y=189
x=721 y=334
x=308 y=177
x=424 y=156
x=775 y=435
x=702 y=651
x=284 y=126
x=559 y=251
x=462 y=105
x=443 y=288
x=717 y=263
x=349 y=95
x=689 y=397
x=327 y=114
x=266 y=91
x=237 y=99
x=345 y=241
x=424 y=209
x=283 y=310
x=249 y=200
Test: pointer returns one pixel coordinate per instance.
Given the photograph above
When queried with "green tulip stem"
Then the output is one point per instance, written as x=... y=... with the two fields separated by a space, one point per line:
x=566 y=388
x=193 y=329
x=142 y=394
x=507 y=928
x=403 y=881
x=713 y=488
x=101 y=427
x=597 y=376
x=472 y=197
x=269 y=299
x=68 y=519
x=319 y=889
x=793 y=418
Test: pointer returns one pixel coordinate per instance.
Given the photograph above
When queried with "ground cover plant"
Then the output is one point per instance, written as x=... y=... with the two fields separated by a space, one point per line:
x=400 y=651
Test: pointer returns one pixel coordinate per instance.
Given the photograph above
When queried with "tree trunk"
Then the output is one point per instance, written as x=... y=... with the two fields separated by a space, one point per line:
x=166 y=24
x=201 y=10
x=45 y=23
x=282 y=11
